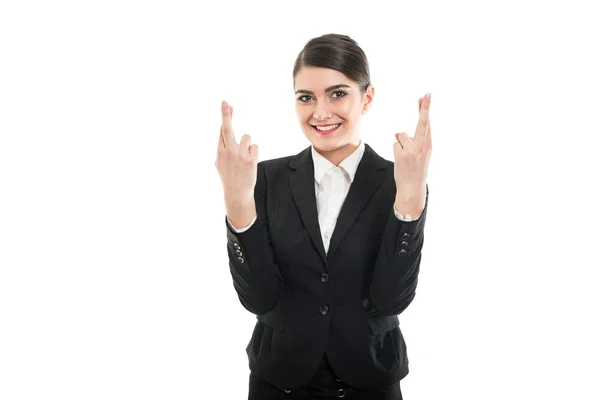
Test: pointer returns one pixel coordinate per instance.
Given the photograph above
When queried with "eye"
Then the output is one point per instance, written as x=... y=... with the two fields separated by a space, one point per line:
x=340 y=94
x=303 y=98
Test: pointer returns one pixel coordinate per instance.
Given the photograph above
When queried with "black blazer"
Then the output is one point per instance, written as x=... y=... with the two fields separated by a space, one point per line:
x=345 y=303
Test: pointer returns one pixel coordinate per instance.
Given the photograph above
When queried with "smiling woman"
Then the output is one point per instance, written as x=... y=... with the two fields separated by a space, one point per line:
x=333 y=86
x=313 y=253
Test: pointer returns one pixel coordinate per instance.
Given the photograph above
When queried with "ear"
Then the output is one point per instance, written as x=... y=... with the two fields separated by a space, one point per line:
x=368 y=97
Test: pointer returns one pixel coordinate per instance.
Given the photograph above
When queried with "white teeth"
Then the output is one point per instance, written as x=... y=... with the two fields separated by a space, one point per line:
x=327 y=128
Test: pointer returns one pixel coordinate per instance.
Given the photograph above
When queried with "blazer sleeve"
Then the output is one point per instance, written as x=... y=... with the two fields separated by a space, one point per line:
x=393 y=281
x=256 y=278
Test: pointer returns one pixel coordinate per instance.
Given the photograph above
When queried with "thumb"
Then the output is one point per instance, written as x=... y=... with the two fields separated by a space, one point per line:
x=397 y=150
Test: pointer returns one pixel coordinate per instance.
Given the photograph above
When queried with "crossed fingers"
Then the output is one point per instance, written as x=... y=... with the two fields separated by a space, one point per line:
x=423 y=130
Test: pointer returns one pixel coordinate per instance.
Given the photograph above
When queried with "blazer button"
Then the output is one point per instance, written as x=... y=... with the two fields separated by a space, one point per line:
x=366 y=303
x=237 y=246
x=324 y=278
x=405 y=236
x=404 y=244
x=324 y=309
x=241 y=260
x=402 y=252
x=239 y=253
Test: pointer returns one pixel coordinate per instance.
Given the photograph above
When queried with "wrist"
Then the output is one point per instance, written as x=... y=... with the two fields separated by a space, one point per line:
x=411 y=202
x=410 y=205
x=234 y=198
x=408 y=209
x=411 y=196
x=240 y=214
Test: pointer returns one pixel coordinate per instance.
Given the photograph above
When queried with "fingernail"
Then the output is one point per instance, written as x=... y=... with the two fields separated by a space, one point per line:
x=428 y=96
x=223 y=104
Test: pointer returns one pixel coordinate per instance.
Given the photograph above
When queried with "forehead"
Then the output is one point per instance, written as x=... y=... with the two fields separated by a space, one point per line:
x=318 y=79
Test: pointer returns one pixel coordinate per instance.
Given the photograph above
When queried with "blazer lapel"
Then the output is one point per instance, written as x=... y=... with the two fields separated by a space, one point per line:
x=368 y=178
x=302 y=185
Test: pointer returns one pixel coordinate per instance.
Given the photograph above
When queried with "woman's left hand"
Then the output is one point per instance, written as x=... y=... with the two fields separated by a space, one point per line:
x=412 y=160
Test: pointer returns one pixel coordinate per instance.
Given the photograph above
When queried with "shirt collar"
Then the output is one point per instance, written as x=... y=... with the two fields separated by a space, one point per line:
x=349 y=164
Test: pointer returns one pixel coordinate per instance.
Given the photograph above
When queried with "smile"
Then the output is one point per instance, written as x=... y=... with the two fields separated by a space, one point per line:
x=326 y=129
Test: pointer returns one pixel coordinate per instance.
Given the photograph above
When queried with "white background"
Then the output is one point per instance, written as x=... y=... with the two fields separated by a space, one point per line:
x=114 y=278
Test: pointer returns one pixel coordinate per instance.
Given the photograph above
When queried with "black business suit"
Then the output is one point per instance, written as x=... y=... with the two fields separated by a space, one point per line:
x=344 y=303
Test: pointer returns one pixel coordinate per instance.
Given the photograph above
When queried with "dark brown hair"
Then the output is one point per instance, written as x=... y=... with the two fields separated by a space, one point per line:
x=338 y=52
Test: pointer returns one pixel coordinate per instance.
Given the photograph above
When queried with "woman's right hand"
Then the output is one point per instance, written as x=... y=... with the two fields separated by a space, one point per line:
x=236 y=163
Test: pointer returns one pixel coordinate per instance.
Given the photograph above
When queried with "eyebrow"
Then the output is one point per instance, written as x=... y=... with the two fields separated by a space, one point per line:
x=329 y=89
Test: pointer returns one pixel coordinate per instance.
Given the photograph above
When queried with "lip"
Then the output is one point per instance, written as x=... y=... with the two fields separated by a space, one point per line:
x=325 y=133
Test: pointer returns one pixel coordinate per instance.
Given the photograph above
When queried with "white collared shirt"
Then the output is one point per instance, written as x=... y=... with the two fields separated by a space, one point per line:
x=331 y=188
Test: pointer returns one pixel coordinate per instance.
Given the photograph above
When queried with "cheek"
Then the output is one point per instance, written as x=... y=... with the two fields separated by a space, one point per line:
x=348 y=109
x=302 y=114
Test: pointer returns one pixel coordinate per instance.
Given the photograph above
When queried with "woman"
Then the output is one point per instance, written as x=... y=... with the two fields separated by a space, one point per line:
x=325 y=246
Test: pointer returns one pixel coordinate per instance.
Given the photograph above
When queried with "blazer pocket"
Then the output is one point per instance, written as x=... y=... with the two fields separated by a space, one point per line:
x=382 y=323
x=274 y=318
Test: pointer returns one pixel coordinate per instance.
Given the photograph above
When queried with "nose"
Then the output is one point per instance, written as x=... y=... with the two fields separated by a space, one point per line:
x=321 y=113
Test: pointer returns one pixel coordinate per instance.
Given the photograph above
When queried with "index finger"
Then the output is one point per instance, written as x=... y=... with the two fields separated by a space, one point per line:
x=226 y=126
x=423 y=124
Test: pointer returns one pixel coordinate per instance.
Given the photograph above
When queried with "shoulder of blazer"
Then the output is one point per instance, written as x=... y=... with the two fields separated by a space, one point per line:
x=273 y=167
x=279 y=165
x=375 y=159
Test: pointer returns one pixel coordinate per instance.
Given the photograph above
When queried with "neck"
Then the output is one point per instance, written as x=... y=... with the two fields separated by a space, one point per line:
x=340 y=154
